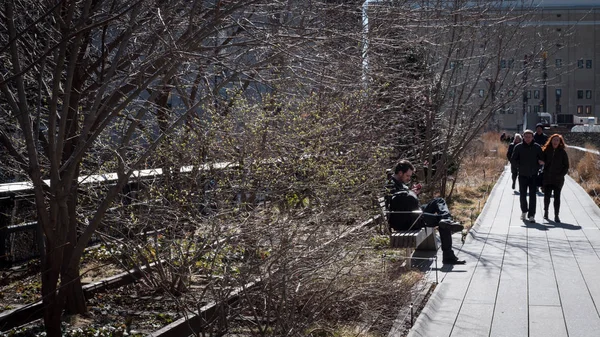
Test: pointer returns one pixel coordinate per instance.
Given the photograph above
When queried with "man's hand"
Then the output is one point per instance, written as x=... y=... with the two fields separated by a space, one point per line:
x=541 y=162
x=417 y=188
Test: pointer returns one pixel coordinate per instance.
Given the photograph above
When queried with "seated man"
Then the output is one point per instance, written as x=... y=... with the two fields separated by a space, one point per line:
x=403 y=202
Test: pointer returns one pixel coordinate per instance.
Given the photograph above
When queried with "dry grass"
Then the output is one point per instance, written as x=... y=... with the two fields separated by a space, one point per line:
x=585 y=169
x=587 y=166
x=366 y=296
x=481 y=166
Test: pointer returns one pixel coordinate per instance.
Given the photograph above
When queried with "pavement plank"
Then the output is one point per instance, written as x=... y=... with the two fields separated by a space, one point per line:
x=542 y=286
x=546 y=321
x=510 y=313
x=474 y=320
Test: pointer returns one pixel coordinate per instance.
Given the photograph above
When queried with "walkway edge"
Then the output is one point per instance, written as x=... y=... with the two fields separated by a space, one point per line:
x=486 y=206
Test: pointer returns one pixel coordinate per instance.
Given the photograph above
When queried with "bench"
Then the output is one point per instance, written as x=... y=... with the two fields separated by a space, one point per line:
x=417 y=239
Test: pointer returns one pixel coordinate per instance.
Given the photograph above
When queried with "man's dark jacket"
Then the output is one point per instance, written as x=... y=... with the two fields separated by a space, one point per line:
x=541 y=138
x=402 y=199
x=509 y=153
x=556 y=166
x=525 y=157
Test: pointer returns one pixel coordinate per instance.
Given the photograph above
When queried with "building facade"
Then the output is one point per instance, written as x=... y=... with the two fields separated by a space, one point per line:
x=564 y=80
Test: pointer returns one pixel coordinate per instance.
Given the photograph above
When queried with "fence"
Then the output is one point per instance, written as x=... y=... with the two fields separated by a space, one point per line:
x=20 y=236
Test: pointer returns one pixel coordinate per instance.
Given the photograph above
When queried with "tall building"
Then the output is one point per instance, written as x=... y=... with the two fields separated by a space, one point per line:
x=564 y=81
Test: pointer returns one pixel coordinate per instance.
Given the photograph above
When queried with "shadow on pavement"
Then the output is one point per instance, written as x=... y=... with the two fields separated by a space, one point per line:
x=551 y=224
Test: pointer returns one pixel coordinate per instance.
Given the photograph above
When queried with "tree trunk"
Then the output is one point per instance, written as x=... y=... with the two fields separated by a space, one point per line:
x=53 y=300
x=70 y=278
x=73 y=290
x=71 y=285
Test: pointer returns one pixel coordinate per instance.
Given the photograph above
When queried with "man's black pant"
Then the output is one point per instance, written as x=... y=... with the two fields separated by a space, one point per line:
x=439 y=207
x=528 y=183
x=514 y=174
x=436 y=206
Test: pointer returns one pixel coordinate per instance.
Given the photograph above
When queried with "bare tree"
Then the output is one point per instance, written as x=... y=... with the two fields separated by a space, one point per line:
x=458 y=65
x=275 y=89
x=110 y=79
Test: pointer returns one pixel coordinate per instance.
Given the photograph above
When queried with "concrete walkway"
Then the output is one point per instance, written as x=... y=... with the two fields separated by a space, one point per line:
x=521 y=278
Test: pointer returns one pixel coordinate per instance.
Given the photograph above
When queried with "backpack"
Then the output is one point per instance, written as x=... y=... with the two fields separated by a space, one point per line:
x=403 y=201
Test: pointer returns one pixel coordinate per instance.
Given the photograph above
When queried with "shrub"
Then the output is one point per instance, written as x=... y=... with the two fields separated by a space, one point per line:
x=588 y=166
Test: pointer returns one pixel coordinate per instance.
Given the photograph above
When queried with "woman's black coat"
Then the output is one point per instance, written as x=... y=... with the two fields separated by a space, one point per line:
x=556 y=166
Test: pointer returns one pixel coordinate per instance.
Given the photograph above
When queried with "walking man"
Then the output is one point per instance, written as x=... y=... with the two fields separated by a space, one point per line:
x=527 y=156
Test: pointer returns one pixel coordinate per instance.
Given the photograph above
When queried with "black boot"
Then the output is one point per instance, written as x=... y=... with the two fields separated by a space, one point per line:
x=450 y=258
x=556 y=218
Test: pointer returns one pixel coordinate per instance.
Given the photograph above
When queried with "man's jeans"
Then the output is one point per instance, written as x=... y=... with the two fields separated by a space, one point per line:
x=438 y=206
x=524 y=184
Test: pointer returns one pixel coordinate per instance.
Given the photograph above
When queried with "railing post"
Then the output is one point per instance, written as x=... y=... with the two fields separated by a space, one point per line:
x=5 y=213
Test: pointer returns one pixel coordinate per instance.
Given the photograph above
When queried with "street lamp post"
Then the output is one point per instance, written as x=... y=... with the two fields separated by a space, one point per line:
x=525 y=98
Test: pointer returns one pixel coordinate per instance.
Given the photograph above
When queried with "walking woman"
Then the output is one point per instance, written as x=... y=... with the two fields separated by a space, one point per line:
x=556 y=166
x=514 y=169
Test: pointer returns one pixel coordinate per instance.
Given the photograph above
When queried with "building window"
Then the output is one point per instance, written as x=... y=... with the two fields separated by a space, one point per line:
x=588 y=64
x=510 y=111
x=580 y=64
x=529 y=108
x=588 y=94
x=528 y=95
x=588 y=109
x=579 y=109
x=536 y=108
x=511 y=62
x=511 y=93
x=579 y=94
x=558 y=63
x=502 y=63
x=536 y=94
x=481 y=92
x=558 y=108
x=558 y=93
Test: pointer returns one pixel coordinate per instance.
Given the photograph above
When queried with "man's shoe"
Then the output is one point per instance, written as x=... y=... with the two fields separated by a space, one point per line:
x=523 y=216
x=454 y=261
x=532 y=219
x=557 y=219
x=453 y=226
